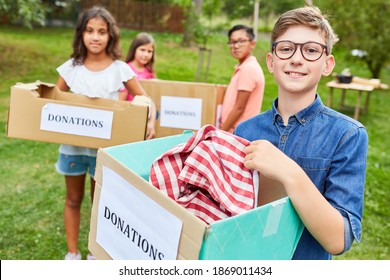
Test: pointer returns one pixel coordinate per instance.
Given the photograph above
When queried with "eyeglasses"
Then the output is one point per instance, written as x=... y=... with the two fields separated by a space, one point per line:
x=311 y=51
x=238 y=43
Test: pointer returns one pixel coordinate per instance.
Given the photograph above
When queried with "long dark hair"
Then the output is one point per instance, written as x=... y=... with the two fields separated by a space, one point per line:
x=140 y=40
x=113 y=47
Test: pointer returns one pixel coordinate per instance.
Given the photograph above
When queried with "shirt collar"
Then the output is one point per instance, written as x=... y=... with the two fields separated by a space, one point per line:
x=248 y=59
x=303 y=116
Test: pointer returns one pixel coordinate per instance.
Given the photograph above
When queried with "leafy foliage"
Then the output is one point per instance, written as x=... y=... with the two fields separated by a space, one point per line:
x=27 y=12
x=236 y=9
x=362 y=25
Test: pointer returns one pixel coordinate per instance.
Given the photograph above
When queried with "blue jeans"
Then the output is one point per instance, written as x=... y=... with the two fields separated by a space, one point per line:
x=71 y=165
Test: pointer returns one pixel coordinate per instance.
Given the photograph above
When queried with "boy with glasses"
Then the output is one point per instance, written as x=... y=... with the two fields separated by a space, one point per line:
x=305 y=150
x=244 y=94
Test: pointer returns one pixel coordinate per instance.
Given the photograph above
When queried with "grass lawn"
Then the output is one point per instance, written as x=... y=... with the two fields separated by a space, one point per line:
x=32 y=194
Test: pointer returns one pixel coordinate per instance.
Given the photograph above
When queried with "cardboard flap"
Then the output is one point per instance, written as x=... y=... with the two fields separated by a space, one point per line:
x=271 y=231
x=141 y=100
x=139 y=158
x=32 y=86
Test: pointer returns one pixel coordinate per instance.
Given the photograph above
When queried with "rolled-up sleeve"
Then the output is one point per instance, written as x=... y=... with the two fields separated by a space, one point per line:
x=345 y=182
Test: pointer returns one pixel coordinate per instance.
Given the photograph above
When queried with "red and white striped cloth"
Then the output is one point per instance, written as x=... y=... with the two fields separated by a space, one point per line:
x=207 y=175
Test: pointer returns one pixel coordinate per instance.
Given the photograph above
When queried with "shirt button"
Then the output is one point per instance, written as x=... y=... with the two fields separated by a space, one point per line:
x=284 y=137
x=303 y=120
x=279 y=118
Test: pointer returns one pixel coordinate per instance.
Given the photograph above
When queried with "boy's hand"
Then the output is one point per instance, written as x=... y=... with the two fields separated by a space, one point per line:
x=264 y=157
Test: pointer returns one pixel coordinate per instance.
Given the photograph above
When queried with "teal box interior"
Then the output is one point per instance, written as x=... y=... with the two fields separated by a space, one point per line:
x=139 y=156
x=268 y=232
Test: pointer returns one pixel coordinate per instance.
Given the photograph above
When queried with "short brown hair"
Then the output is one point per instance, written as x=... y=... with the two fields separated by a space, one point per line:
x=309 y=16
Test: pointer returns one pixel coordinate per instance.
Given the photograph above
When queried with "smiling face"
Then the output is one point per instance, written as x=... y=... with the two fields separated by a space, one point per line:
x=297 y=75
x=96 y=36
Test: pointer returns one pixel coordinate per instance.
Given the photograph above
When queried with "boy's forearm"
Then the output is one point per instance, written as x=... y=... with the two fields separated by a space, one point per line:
x=232 y=119
x=322 y=220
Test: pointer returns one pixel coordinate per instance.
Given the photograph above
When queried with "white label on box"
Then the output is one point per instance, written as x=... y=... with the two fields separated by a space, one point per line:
x=181 y=112
x=77 y=120
x=131 y=226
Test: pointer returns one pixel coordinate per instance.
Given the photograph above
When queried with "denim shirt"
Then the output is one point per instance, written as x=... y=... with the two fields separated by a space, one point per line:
x=332 y=149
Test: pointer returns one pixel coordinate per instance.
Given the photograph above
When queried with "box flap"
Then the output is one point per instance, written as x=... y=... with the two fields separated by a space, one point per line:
x=139 y=158
x=32 y=86
x=141 y=100
x=269 y=232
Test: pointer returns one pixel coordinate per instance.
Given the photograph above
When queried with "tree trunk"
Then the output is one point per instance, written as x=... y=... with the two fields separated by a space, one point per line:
x=198 y=6
x=192 y=16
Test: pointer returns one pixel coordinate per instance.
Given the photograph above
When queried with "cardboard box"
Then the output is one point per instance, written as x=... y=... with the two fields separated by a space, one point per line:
x=271 y=231
x=40 y=111
x=184 y=105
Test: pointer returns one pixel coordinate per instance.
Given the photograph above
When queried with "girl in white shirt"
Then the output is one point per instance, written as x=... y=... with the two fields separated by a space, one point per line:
x=94 y=70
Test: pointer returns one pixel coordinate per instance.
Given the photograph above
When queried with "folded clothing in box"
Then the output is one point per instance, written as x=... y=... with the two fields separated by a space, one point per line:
x=207 y=176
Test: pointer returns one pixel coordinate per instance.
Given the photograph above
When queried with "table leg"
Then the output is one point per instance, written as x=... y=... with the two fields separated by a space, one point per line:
x=357 y=108
x=367 y=102
x=330 y=96
x=342 y=100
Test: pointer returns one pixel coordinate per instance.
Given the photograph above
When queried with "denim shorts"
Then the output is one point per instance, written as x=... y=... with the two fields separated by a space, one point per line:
x=76 y=165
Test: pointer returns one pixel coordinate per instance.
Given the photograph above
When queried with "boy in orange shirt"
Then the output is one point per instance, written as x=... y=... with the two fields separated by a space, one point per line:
x=244 y=95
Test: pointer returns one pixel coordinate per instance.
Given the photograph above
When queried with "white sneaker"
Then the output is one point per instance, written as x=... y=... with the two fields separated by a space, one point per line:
x=91 y=257
x=72 y=256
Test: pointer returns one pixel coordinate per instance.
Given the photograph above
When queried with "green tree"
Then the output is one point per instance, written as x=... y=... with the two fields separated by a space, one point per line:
x=209 y=9
x=191 y=24
x=236 y=9
x=27 y=12
x=362 y=25
x=196 y=30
